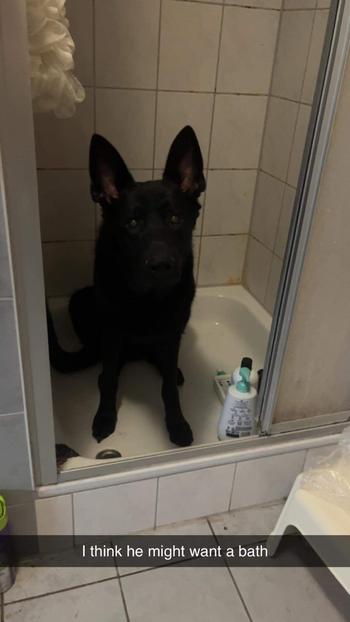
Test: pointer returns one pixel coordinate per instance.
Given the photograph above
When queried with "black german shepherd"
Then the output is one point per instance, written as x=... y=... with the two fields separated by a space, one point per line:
x=143 y=287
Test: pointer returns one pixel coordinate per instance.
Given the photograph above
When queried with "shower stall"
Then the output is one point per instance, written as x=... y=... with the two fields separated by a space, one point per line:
x=258 y=82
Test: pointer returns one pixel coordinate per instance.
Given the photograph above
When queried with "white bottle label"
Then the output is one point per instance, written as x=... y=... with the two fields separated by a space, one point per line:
x=240 y=422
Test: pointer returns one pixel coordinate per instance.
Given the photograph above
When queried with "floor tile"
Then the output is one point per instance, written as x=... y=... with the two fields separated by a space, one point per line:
x=36 y=581
x=102 y=601
x=180 y=593
x=250 y=521
x=292 y=594
x=196 y=527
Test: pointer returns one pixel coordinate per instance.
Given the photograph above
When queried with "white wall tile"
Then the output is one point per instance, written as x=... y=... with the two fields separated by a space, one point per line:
x=126 y=34
x=126 y=119
x=292 y=52
x=116 y=510
x=11 y=400
x=54 y=516
x=323 y=4
x=221 y=259
x=229 y=200
x=237 y=131
x=299 y=4
x=247 y=50
x=267 y=209
x=284 y=222
x=66 y=208
x=265 y=4
x=15 y=460
x=64 y=143
x=273 y=283
x=175 y=110
x=189 y=46
x=265 y=479
x=80 y=15
x=278 y=137
x=5 y=276
x=67 y=266
x=313 y=62
x=257 y=268
x=193 y=494
x=298 y=144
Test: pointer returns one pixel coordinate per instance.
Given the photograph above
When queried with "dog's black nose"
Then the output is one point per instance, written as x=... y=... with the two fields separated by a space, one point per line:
x=160 y=265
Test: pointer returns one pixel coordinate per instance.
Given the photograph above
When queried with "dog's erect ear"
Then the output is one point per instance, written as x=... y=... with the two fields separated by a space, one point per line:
x=108 y=172
x=184 y=164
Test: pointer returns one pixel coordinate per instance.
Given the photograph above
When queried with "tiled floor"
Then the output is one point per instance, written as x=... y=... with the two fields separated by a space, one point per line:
x=179 y=592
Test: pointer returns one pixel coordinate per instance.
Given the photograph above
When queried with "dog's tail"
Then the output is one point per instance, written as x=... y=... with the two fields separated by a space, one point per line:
x=68 y=362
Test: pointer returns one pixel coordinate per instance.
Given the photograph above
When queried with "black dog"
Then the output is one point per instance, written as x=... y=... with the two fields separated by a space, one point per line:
x=143 y=287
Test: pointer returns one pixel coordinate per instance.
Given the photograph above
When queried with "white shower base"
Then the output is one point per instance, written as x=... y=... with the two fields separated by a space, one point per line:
x=226 y=324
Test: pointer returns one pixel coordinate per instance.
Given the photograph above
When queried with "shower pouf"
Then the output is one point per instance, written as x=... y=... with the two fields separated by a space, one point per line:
x=51 y=49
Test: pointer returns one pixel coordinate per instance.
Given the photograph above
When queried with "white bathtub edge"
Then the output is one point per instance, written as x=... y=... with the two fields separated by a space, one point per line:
x=189 y=464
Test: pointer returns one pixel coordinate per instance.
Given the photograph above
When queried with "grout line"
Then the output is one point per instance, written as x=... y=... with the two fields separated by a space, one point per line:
x=157 y=91
x=123 y=598
x=283 y=181
x=186 y=91
x=259 y=167
x=210 y=141
x=156 y=508
x=73 y=516
x=264 y=245
x=249 y=7
x=67 y=589
x=239 y=593
x=232 y=487
x=231 y=575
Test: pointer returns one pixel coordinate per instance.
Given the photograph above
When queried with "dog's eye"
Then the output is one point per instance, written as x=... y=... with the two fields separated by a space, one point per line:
x=133 y=224
x=174 y=219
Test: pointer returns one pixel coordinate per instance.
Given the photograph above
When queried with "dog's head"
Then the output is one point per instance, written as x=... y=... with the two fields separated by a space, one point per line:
x=148 y=226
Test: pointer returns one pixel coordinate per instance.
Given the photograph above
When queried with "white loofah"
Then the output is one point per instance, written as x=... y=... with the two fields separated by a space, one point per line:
x=51 y=49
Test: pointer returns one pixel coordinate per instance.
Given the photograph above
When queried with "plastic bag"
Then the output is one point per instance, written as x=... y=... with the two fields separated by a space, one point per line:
x=330 y=477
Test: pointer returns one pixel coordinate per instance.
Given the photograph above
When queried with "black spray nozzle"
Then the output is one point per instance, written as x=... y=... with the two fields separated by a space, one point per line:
x=247 y=362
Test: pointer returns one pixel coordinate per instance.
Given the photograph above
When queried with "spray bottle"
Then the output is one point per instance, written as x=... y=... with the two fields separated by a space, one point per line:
x=238 y=413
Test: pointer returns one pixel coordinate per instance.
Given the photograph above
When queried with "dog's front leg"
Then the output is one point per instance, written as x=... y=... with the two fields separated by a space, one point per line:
x=106 y=417
x=179 y=430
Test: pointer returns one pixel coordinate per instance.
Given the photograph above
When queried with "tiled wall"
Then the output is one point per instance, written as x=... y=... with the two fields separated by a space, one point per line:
x=150 y=67
x=298 y=53
x=15 y=461
x=142 y=505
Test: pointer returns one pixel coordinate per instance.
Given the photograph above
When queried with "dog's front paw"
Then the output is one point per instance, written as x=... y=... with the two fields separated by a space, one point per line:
x=180 y=433
x=103 y=424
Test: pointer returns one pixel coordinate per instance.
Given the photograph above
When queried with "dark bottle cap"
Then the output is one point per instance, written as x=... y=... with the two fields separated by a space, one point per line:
x=247 y=362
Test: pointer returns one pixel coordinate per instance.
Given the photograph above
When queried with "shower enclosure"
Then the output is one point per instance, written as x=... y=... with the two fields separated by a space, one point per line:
x=258 y=81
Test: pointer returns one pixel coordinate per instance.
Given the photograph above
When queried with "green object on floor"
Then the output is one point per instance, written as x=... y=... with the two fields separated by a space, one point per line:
x=3 y=514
